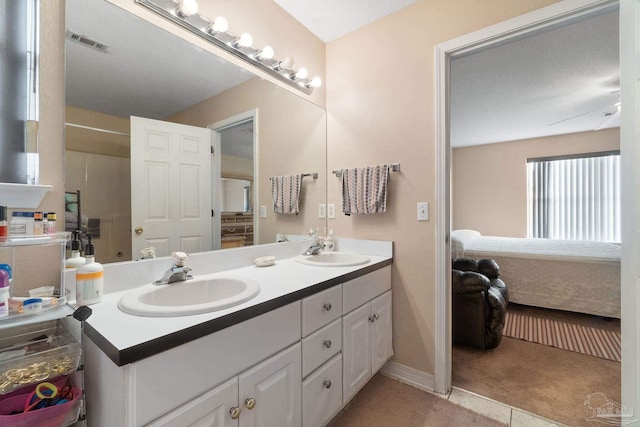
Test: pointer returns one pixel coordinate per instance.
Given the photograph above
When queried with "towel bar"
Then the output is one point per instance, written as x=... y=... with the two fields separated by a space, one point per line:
x=314 y=175
x=394 y=167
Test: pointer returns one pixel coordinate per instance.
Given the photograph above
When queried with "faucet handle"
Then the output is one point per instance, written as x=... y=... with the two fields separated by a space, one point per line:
x=179 y=257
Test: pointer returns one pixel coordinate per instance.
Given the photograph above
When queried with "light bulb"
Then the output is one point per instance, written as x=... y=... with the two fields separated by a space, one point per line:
x=302 y=73
x=266 y=53
x=287 y=63
x=315 y=82
x=220 y=25
x=245 y=40
x=187 y=8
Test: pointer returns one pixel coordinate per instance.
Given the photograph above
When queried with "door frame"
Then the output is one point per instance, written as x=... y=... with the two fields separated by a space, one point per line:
x=218 y=127
x=547 y=18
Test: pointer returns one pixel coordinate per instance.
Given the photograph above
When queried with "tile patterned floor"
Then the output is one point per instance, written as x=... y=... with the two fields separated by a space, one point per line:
x=498 y=411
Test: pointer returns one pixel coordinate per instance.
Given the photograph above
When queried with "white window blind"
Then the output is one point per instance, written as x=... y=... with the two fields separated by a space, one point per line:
x=574 y=198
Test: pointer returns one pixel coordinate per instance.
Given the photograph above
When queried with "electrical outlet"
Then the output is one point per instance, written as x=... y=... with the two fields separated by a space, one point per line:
x=263 y=211
x=423 y=211
x=322 y=210
x=331 y=210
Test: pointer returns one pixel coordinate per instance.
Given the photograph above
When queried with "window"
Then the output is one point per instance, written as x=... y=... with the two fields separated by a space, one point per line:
x=574 y=197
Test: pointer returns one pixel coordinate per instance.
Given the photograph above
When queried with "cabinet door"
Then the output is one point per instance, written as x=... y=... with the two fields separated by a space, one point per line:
x=381 y=331
x=356 y=350
x=272 y=389
x=212 y=409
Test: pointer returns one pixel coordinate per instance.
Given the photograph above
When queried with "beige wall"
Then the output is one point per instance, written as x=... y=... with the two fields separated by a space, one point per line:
x=380 y=102
x=291 y=139
x=90 y=141
x=489 y=182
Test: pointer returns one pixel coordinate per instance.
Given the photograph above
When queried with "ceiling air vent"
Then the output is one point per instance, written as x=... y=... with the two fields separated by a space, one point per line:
x=86 y=41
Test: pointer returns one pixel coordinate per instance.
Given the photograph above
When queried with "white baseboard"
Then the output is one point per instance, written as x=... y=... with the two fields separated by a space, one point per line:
x=418 y=379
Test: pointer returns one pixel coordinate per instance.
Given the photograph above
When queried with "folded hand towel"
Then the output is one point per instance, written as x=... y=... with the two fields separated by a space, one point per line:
x=364 y=190
x=285 y=191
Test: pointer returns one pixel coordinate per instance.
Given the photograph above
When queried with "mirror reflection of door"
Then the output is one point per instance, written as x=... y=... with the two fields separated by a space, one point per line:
x=236 y=184
x=170 y=187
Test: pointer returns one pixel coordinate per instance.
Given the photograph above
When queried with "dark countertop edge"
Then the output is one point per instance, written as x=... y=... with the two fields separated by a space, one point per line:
x=175 y=339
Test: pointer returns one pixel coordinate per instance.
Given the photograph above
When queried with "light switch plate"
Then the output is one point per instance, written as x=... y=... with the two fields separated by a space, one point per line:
x=263 y=211
x=331 y=210
x=322 y=210
x=423 y=211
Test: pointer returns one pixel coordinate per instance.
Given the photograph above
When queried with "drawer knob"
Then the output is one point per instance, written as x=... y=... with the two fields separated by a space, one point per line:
x=326 y=383
x=250 y=403
x=373 y=318
x=234 y=412
x=327 y=343
x=327 y=306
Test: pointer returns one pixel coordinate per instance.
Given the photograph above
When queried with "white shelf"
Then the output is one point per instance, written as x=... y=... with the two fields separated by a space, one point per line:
x=22 y=195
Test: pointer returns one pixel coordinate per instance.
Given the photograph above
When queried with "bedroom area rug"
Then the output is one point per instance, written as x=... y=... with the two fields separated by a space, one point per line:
x=564 y=335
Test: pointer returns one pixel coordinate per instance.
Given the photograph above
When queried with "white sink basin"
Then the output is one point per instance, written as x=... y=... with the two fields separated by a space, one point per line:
x=333 y=259
x=199 y=295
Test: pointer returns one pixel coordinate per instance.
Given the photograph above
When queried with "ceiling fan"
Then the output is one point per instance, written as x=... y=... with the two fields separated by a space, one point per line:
x=609 y=114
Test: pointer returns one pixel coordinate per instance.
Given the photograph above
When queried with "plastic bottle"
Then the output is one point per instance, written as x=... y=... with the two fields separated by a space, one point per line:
x=45 y=223
x=329 y=244
x=4 y=228
x=37 y=223
x=4 y=293
x=89 y=279
x=21 y=224
x=51 y=223
x=75 y=260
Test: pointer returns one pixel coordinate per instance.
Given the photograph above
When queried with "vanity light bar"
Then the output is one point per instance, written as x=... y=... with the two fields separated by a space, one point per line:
x=235 y=45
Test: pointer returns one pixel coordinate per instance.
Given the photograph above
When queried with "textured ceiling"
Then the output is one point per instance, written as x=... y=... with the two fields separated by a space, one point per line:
x=332 y=19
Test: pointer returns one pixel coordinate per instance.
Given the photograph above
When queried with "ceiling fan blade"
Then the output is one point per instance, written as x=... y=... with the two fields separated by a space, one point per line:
x=608 y=120
x=574 y=117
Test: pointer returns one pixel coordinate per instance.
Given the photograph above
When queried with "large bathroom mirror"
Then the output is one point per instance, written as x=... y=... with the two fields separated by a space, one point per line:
x=119 y=65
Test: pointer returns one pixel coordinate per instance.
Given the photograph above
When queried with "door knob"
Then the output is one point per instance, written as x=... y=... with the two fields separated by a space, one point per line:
x=250 y=403
x=235 y=412
x=139 y=230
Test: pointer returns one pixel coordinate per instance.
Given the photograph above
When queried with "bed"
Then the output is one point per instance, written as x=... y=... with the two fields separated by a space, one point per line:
x=577 y=276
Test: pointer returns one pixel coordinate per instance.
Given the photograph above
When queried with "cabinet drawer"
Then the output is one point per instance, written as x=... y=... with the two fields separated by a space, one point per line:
x=318 y=347
x=320 y=309
x=364 y=288
x=322 y=394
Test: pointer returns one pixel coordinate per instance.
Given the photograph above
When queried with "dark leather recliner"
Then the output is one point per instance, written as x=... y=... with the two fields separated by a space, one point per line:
x=479 y=302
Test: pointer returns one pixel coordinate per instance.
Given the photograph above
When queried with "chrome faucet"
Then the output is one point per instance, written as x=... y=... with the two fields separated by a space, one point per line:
x=178 y=271
x=314 y=249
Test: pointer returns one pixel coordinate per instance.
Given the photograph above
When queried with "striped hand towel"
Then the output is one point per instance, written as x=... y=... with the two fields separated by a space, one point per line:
x=364 y=190
x=285 y=191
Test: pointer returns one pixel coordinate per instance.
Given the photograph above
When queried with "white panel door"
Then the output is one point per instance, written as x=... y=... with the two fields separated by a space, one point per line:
x=170 y=187
x=275 y=386
x=356 y=350
x=630 y=179
x=381 y=332
x=212 y=409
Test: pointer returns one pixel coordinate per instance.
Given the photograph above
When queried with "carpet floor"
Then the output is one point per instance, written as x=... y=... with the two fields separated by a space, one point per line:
x=543 y=380
x=385 y=402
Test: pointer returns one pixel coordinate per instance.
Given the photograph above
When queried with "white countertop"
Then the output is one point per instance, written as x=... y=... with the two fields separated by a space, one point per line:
x=124 y=331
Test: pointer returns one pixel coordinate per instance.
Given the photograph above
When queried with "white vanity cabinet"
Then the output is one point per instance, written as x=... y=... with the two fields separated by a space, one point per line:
x=266 y=395
x=366 y=330
x=321 y=357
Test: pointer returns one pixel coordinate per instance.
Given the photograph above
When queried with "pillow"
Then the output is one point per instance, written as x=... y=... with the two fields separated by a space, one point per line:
x=459 y=238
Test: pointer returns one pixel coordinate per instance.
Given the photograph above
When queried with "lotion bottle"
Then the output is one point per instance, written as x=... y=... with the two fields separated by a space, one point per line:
x=75 y=260
x=89 y=279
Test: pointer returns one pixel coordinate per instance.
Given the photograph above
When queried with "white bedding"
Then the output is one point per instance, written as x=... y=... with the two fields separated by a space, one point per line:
x=568 y=275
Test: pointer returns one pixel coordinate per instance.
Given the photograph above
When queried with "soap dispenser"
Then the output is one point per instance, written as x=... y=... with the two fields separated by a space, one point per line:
x=89 y=279
x=329 y=244
x=75 y=260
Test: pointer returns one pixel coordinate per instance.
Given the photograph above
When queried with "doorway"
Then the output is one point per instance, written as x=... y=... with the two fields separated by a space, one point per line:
x=520 y=27
x=234 y=186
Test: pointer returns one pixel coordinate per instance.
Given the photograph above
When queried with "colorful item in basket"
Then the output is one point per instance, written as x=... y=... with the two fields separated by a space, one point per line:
x=37 y=371
x=47 y=394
